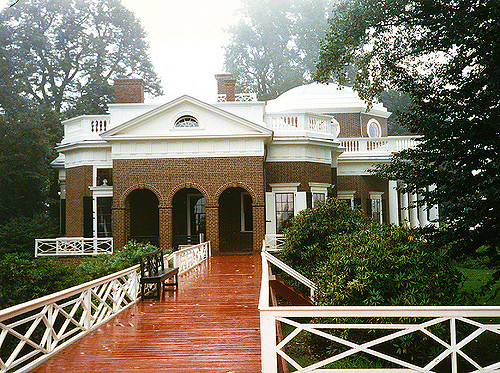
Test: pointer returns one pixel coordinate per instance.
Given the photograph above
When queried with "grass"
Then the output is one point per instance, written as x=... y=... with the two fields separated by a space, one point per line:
x=477 y=278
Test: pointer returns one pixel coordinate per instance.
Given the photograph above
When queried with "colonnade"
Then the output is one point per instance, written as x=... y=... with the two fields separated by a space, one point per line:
x=407 y=209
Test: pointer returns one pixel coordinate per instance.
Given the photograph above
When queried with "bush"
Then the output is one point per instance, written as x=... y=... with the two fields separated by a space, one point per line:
x=18 y=235
x=387 y=266
x=310 y=232
x=23 y=278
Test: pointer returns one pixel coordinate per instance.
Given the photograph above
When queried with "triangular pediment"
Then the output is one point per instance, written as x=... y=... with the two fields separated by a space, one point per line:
x=159 y=123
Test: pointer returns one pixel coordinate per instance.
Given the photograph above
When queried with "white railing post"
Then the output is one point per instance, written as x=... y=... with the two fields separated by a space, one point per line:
x=87 y=309
x=268 y=353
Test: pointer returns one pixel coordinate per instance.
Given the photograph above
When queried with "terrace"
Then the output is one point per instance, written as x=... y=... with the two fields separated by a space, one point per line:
x=219 y=320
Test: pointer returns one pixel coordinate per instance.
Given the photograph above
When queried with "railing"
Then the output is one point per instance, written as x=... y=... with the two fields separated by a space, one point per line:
x=387 y=145
x=85 y=127
x=451 y=329
x=73 y=246
x=239 y=97
x=32 y=332
x=274 y=242
x=190 y=257
x=301 y=122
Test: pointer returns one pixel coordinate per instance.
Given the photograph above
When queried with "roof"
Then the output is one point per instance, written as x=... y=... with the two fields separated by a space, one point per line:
x=323 y=98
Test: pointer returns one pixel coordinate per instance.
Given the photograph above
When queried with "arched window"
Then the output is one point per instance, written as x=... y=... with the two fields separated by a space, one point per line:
x=373 y=128
x=186 y=121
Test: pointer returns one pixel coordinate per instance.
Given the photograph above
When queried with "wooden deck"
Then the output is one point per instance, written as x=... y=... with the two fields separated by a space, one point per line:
x=211 y=324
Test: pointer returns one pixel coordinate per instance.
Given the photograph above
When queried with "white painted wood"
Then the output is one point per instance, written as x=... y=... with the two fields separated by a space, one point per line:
x=393 y=203
x=270 y=213
x=300 y=202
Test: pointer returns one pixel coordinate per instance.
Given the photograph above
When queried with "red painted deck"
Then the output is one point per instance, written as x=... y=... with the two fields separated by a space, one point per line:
x=211 y=324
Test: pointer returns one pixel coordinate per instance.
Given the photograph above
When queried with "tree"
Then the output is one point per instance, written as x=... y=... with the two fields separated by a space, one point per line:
x=58 y=58
x=444 y=55
x=65 y=53
x=273 y=47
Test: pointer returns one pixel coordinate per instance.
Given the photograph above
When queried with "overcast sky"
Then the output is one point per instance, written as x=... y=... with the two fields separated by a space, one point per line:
x=186 y=40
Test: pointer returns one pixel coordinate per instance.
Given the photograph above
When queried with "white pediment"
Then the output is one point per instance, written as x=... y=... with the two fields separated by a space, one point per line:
x=159 y=124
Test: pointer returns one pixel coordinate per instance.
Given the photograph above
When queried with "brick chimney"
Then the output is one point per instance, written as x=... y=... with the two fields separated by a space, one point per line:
x=129 y=91
x=225 y=85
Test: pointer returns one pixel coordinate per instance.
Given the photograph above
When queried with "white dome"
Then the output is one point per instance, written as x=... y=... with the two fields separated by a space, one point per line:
x=322 y=98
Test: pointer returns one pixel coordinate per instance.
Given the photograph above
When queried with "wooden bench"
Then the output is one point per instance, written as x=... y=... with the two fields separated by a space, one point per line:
x=153 y=271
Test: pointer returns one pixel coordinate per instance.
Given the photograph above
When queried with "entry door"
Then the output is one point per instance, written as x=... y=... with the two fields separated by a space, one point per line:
x=196 y=215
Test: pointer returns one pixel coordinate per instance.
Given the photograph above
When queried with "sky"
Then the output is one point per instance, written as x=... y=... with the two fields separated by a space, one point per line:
x=186 y=39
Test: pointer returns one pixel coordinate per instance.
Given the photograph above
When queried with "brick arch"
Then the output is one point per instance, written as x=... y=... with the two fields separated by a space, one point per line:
x=236 y=184
x=187 y=185
x=155 y=190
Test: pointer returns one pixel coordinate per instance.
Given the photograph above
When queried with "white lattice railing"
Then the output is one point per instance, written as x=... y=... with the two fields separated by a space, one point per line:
x=388 y=144
x=73 y=246
x=190 y=257
x=451 y=330
x=32 y=332
x=274 y=242
x=240 y=97
x=85 y=127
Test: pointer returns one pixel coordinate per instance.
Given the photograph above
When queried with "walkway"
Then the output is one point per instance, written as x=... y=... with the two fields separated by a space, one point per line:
x=211 y=324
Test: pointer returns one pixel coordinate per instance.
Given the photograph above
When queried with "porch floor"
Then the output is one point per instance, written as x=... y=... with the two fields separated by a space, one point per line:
x=211 y=324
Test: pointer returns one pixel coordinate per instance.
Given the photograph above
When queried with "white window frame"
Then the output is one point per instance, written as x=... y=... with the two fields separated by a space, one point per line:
x=346 y=195
x=184 y=114
x=97 y=192
x=283 y=188
x=319 y=188
x=376 y=122
x=376 y=198
x=188 y=211
x=242 y=209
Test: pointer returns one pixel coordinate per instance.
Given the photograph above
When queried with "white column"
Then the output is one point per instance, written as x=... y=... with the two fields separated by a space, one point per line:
x=405 y=217
x=269 y=357
x=422 y=212
x=393 y=203
x=413 y=210
x=433 y=211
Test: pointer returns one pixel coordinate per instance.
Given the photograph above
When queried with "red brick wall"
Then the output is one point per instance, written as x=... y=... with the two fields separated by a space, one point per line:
x=129 y=91
x=354 y=124
x=210 y=176
x=78 y=180
x=363 y=185
x=298 y=172
x=382 y=121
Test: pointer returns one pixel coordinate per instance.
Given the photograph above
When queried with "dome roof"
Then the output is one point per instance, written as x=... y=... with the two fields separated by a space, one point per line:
x=322 y=98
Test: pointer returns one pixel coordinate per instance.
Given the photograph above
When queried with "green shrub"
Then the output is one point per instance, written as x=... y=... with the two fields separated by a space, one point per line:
x=386 y=266
x=310 y=232
x=23 y=278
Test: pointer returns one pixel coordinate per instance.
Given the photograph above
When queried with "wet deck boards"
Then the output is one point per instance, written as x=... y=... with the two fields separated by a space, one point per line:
x=211 y=324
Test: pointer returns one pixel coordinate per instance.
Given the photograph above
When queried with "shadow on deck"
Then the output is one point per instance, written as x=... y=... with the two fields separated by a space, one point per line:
x=211 y=324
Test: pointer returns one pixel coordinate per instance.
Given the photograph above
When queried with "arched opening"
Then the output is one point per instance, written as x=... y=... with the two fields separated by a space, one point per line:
x=143 y=216
x=188 y=217
x=235 y=221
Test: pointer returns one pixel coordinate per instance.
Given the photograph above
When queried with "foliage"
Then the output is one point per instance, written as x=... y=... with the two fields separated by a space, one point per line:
x=18 y=234
x=102 y=265
x=65 y=54
x=273 y=47
x=311 y=231
x=23 y=278
x=387 y=266
x=444 y=55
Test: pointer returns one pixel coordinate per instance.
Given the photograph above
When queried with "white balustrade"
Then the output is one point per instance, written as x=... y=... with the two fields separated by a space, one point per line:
x=424 y=320
x=239 y=97
x=85 y=127
x=73 y=246
x=32 y=332
x=300 y=122
x=274 y=242
x=381 y=145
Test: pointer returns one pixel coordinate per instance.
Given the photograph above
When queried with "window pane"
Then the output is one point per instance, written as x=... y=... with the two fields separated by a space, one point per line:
x=104 y=216
x=316 y=197
x=284 y=210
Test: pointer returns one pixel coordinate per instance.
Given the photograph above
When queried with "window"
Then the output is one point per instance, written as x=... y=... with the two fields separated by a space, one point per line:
x=246 y=213
x=284 y=210
x=373 y=128
x=104 y=216
x=186 y=121
x=347 y=196
x=376 y=206
x=317 y=197
x=104 y=177
x=196 y=215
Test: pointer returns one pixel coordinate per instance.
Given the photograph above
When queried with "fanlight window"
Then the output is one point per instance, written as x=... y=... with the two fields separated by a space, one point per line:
x=186 y=121
x=374 y=128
